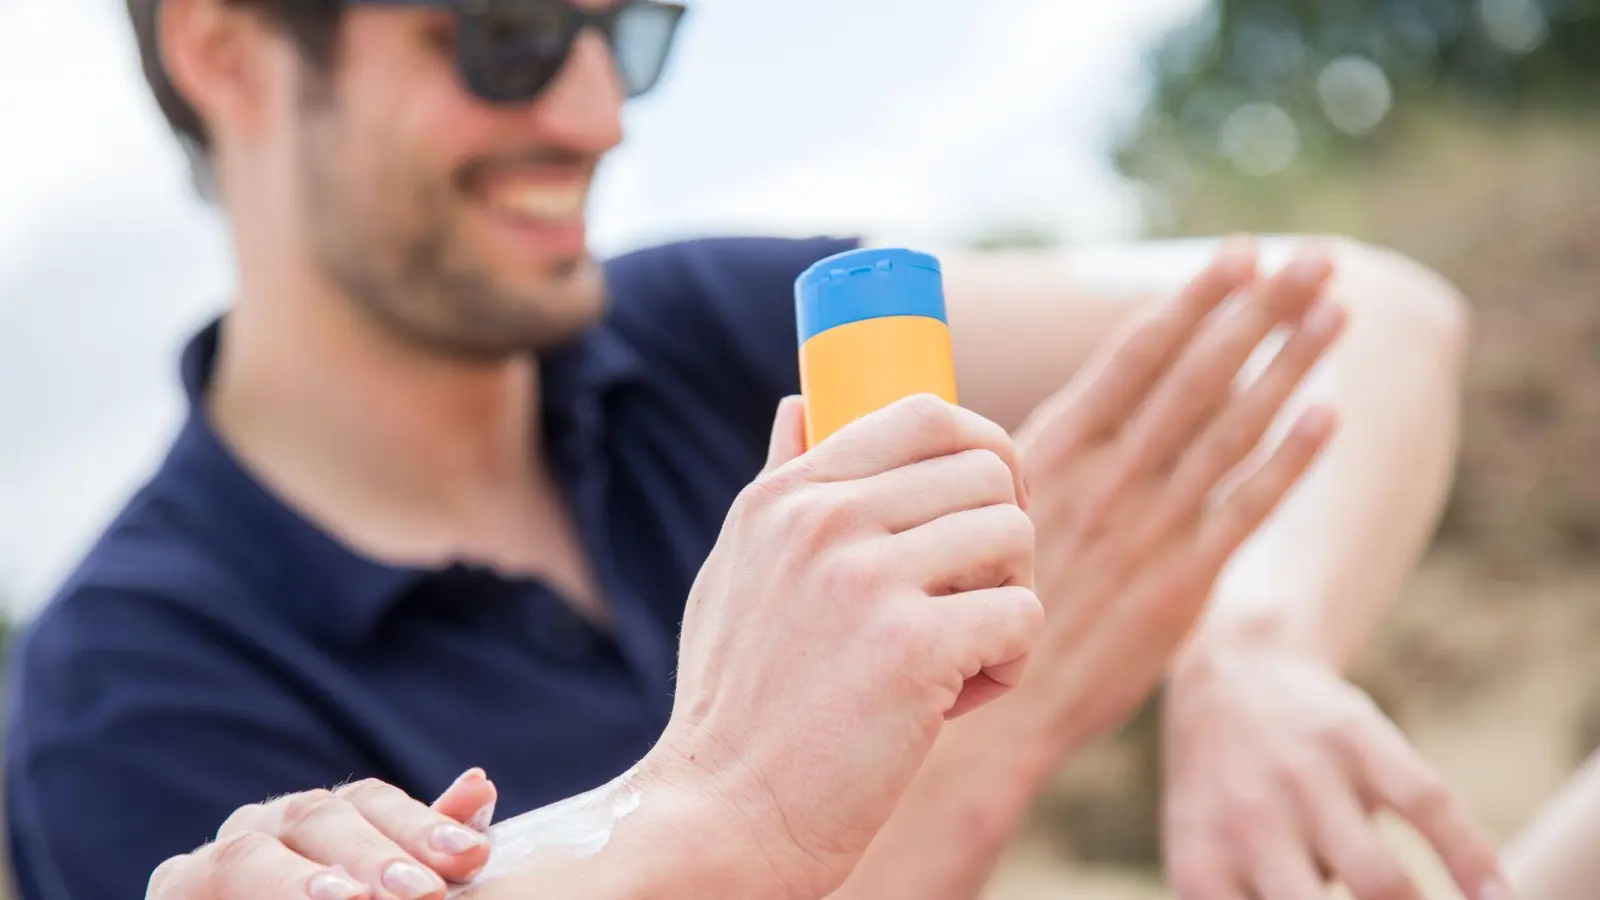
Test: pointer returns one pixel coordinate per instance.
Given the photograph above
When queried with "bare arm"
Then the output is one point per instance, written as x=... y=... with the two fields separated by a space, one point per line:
x=1554 y=857
x=632 y=839
x=1316 y=578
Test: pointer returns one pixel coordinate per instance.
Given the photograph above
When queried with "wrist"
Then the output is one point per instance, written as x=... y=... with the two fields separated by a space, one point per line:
x=734 y=837
x=1228 y=635
x=1003 y=755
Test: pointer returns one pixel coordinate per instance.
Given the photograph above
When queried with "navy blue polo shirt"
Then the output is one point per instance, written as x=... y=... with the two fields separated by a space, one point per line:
x=215 y=649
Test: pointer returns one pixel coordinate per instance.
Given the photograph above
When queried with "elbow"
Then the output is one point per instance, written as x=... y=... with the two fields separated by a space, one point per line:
x=1420 y=312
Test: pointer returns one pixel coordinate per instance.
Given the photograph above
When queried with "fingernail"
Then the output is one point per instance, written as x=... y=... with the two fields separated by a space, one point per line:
x=1494 y=890
x=409 y=881
x=481 y=819
x=453 y=839
x=1309 y=270
x=334 y=884
x=1233 y=257
x=1324 y=319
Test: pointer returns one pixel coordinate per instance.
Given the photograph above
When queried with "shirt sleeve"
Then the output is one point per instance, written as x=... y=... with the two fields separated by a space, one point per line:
x=122 y=710
x=719 y=314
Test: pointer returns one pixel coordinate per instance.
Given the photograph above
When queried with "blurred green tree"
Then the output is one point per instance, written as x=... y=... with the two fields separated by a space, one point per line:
x=1265 y=86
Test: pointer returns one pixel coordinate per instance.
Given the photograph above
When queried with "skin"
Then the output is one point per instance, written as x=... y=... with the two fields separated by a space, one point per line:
x=1553 y=858
x=365 y=210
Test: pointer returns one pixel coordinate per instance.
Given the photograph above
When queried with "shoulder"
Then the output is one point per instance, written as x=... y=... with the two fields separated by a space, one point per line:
x=127 y=684
x=153 y=613
x=717 y=310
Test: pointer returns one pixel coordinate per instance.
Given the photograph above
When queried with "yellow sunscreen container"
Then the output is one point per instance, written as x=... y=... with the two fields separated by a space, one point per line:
x=872 y=330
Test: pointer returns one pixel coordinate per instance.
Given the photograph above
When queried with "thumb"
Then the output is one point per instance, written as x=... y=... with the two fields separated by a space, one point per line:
x=788 y=433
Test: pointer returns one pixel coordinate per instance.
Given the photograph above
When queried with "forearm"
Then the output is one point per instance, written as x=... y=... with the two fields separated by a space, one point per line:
x=633 y=839
x=1321 y=572
x=968 y=800
x=1554 y=858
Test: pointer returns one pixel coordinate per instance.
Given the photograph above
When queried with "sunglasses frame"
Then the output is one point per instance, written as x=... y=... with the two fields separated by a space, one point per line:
x=473 y=13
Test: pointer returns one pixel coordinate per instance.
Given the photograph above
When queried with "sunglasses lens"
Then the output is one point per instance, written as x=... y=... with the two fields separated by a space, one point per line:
x=511 y=49
x=644 y=37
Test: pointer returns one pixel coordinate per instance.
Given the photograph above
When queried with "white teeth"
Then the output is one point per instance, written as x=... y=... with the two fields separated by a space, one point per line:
x=540 y=201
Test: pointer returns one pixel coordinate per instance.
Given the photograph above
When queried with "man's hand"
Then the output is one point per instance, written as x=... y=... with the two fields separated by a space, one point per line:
x=860 y=596
x=364 y=841
x=1273 y=768
x=1146 y=474
x=1142 y=490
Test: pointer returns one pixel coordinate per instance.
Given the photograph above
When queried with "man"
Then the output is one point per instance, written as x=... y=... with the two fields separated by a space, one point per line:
x=393 y=543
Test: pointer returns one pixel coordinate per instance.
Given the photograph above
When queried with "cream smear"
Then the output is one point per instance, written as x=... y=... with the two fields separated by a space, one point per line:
x=580 y=825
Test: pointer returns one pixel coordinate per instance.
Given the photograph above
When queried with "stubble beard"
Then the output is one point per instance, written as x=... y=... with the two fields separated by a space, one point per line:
x=390 y=250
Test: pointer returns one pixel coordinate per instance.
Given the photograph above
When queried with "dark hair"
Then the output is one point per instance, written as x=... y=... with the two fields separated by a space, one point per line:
x=313 y=26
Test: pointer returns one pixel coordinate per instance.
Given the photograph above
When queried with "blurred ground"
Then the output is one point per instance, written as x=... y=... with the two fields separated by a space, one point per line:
x=1489 y=660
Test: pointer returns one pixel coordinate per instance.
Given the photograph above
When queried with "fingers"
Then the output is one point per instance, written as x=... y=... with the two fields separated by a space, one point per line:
x=1204 y=375
x=905 y=498
x=991 y=631
x=1283 y=872
x=1352 y=849
x=1117 y=380
x=909 y=431
x=1238 y=430
x=1249 y=503
x=1202 y=875
x=250 y=864
x=968 y=550
x=788 y=439
x=382 y=837
x=470 y=800
x=438 y=842
x=1401 y=780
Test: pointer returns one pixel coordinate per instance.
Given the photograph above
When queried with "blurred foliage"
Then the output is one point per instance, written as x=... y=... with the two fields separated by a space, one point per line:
x=1266 y=87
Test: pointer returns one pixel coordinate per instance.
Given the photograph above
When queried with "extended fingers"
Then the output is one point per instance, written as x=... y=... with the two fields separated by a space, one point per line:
x=1248 y=504
x=447 y=847
x=381 y=836
x=1202 y=379
x=1398 y=778
x=1118 y=378
x=1238 y=430
x=251 y=864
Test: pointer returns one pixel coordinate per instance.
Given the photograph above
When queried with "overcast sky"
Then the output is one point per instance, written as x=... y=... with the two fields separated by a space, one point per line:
x=916 y=119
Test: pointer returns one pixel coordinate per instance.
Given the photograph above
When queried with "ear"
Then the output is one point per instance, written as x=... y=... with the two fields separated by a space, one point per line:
x=218 y=55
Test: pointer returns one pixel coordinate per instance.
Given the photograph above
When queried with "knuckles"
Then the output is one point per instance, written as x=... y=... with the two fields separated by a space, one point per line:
x=930 y=419
x=1016 y=529
x=236 y=849
x=299 y=809
x=851 y=576
x=367 y=789
x=991 y=473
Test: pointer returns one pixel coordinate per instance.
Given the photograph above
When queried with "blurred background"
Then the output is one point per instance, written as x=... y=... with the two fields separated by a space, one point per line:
x=1462 y=132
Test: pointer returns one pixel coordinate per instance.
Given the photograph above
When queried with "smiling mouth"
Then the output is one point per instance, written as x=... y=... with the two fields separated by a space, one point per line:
x=536 y=200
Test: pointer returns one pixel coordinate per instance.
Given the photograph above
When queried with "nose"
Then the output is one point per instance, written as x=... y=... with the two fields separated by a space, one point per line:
x=582 y=108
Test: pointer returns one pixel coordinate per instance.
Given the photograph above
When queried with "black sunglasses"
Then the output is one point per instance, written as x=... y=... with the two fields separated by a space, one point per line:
x=509 y=51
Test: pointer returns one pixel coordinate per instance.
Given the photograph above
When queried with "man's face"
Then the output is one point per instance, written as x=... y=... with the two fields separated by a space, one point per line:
x=457 y=224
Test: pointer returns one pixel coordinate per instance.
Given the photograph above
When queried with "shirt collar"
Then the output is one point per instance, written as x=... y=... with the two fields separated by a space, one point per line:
x=334 y=590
